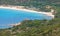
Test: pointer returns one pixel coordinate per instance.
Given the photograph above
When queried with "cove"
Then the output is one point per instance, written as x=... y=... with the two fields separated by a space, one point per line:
x=9 y=16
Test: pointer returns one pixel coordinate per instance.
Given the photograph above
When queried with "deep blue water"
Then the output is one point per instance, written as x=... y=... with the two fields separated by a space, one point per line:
x=9 y=16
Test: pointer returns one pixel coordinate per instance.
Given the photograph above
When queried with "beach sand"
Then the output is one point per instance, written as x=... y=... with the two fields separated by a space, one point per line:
x=32 y=11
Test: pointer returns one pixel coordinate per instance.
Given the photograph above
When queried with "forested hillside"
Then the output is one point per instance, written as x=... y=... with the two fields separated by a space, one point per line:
x=34 y=28
x=39 y=4
x=16 y=2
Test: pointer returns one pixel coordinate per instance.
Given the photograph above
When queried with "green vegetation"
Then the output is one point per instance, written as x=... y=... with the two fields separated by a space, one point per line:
x=34 y=27
x=37 y=4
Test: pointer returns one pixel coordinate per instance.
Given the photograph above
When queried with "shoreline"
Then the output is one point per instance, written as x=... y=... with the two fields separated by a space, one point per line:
x=23 y=9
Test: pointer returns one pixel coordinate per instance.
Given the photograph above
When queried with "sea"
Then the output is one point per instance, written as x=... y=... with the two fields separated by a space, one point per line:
x=10 y=16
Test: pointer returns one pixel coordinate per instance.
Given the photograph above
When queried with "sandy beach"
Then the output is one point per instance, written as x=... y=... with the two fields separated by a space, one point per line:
x=32 y=11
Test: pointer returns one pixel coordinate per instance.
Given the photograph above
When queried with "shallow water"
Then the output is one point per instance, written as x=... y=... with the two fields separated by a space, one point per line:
x=9 y=16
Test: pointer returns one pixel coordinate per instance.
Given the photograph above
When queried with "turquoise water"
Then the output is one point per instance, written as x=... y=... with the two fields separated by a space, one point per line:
x=9 y=16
